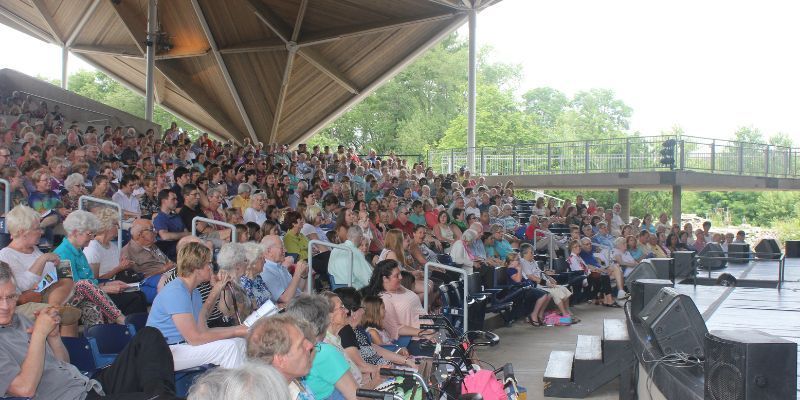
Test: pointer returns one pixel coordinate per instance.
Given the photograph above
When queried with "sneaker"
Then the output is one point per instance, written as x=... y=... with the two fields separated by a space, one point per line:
x=622 y=295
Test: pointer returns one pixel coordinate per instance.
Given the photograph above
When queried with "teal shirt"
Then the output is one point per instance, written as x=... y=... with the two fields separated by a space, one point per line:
x=80 y=265
x=328 y=367
x=417 y=219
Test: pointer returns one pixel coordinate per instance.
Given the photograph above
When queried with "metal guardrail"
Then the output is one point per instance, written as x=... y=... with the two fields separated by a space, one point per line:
x=209 y=221
x=622 y=155
x=540 y=193
x=69 y=105
x=109 y=203
x=311 y=244
x=549 y=235
x=419 y=157
x=461 y=271
x=754 y=257
x=6 y=200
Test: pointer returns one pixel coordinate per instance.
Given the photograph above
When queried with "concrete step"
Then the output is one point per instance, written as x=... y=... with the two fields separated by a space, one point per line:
x=615 y=339
x=588 y=357
x=559 y=366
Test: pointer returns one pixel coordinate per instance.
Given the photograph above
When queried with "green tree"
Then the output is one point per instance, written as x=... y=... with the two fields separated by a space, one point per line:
x=546 y=106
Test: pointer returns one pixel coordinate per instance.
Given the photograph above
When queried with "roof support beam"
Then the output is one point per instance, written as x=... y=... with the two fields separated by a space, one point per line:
x=271 y=20
x=31 y=28
x=449 y=3
x=132 y=52
x=160 y=86
x=287 y=72
x=224 y=68
x=136 y=24
x=81 y=23
x=316 y=59
x=271 y=44
x=366 y=29
x=48 y=20
x=301 y=13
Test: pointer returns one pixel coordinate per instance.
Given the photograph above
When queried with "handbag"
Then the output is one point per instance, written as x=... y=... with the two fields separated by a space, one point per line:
x=485 y=383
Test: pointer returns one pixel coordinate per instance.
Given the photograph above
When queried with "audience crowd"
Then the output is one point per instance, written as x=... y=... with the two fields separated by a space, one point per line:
x=386 y=216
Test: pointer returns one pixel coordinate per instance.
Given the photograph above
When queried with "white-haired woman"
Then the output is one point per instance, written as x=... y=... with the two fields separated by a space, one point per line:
x=75 y=185
x=251 y=381
x=104 y=259
x=242 y=199
x=234 y=302
x=255 y=213
x=251 y=281
x=460 y=251
x=81 y=227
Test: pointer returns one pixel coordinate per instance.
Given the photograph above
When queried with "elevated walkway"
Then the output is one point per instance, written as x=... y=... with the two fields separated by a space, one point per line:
x=632 y=163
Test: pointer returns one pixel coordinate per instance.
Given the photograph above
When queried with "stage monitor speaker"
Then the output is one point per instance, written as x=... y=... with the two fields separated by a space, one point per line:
x=738 y=253
x=768 y=249
x=683 y=263
x=749 y=365
x=674 y=323
x=665 y=268
x=643 y=290
x=711 y=250
x=645 y=270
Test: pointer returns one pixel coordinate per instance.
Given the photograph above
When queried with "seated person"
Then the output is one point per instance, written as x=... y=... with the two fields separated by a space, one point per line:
x=35 y=362
x=168 y=225
x=281 y=284
x=342 y=266
x=145 y=257
x=125 y=198
x=287 y=344
x=179 y=313
x=329 y=374
x=251 y=381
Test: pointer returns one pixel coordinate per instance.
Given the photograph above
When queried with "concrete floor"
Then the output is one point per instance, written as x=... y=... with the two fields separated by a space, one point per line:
x=528 y=348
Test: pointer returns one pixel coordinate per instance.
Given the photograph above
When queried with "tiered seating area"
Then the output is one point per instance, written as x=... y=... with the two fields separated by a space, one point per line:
x=390 y=214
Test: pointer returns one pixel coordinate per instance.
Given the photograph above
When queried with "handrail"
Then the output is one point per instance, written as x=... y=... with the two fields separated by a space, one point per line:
x=311 y=244
x=461 y=271
x=66 y=104
x=6 y=200
x=110 y=204
x=545 y=195
x=210 y=221
x=549 y=236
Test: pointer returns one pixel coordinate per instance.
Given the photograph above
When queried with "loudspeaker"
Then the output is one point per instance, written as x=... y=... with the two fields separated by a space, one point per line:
x=645 y=270
x=683 y=263
x=711 y=250
x=665 y=268
x=642 y=291
x=674 y=323
x=792 y=248
x=738 y=252
x=768 y=249
x=749 y=365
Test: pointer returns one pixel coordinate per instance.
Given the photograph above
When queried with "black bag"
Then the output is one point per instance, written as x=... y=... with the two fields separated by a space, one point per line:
x=129 y=276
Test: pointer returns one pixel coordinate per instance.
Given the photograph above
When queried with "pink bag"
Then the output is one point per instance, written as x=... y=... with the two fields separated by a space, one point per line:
x=485 y=383
x=553 y=318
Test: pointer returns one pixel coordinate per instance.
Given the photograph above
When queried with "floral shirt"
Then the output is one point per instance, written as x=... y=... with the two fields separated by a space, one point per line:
x=256 y=290
x=148 y=205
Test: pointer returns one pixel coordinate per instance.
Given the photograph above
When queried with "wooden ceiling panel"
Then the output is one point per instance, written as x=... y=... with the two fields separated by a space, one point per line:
x=258 y=77
x=346 y=49
x=233 y=22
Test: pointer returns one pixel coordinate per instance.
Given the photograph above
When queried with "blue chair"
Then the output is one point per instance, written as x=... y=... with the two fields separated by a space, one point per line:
x=111 y=340
x=445 y=259
x=335 y=285
x=186 y=377
x=83 y=352
x=137 y=320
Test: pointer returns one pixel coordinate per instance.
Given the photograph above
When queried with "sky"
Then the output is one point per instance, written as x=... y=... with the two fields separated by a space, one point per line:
x=707 y=66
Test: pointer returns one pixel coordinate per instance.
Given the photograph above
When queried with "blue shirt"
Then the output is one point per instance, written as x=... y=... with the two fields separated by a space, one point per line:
x=169 y=222
x=174 y=298
x=78 y=261
x=277 y=279
x=588 y=259
x=605 y=240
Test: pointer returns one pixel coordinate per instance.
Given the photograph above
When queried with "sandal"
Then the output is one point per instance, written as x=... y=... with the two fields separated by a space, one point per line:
x=613 y=305
x=534 y=322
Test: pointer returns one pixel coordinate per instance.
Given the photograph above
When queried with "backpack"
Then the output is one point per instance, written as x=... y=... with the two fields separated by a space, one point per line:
x=485 y=383
x=553 y=318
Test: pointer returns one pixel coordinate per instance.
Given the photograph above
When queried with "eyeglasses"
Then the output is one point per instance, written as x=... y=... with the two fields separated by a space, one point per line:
x=10 y=298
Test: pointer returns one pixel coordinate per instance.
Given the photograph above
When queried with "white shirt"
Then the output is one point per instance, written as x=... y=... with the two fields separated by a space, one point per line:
x=108 y=258
x=21 y=262
x=251 y=215
x=128 y=203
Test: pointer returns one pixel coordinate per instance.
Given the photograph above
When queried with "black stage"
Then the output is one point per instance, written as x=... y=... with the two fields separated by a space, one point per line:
x=755 y=304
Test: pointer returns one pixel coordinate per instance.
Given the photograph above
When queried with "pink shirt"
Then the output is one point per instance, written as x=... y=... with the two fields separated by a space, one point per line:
x=402 y=309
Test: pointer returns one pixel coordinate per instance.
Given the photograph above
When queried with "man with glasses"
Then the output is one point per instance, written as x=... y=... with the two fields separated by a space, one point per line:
x=402 y=221
x=146 y=257
x=5 y=156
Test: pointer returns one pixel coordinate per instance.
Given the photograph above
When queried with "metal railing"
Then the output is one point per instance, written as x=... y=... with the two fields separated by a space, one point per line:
x=461 y=271
x=109 y=203
x=209 y=221
x=406 y=157
x=550 y=238
x=621 y=155
x=539 y=193
x=6 y=201
x=311 y=244
x=71 y=106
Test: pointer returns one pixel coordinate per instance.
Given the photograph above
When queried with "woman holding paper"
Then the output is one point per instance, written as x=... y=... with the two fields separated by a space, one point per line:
x=180 y=314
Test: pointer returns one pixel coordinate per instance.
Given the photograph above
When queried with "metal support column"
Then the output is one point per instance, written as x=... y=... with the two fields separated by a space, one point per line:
x=150 y=58
x=624 y=200
x=676 y=204
x=473 y=55
x=64 y=60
